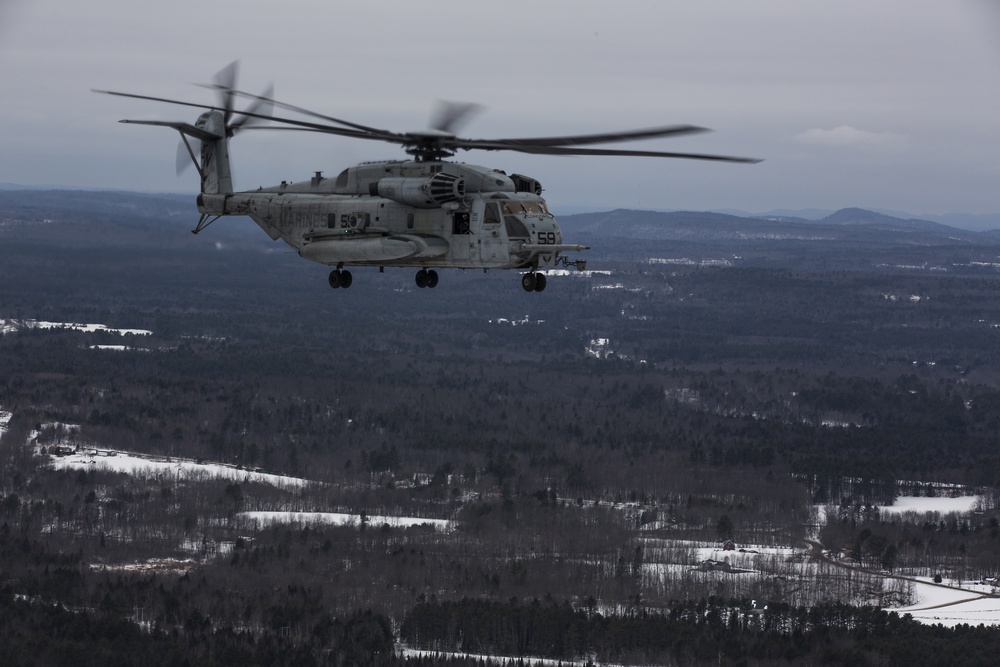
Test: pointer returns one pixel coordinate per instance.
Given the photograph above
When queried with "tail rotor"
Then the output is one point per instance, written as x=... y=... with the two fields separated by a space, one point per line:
x=258 y=113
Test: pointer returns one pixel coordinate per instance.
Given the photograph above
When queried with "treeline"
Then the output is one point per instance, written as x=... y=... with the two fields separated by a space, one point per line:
x=44 y=633
x=706 y=632
x=958 y=546
x=700 y=633
x=240 y=402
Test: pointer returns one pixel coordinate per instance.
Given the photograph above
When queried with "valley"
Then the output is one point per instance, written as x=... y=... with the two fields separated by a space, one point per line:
x=238 y=456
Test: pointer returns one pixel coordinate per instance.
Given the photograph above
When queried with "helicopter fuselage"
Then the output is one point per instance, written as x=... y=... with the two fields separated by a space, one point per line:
x=407 y=214
x=424 y=212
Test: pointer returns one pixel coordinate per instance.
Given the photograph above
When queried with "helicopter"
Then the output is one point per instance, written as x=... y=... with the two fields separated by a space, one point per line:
x=426 y=212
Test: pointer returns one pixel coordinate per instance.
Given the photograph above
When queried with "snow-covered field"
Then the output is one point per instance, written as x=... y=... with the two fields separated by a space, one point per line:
x=5 y=418
x=139 y=465
x=973 y=604
x=143 y=466
x=9 y=326
x=526 y=662
x=921 y=505
x=949 y=603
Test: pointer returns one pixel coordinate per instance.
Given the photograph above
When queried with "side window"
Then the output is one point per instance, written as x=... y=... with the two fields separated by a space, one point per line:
x=409 y=221
x=492 y=215
x=460 y=223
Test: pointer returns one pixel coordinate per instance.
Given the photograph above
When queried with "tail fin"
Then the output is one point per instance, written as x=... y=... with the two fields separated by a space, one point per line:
x=210 y=129
x=216 y=175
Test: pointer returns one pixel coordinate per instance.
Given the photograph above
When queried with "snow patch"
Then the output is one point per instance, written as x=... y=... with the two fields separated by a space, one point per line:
x=962 y=504
x=5 y=418
x=579 y=274
x=145 y=466
x=10 y=326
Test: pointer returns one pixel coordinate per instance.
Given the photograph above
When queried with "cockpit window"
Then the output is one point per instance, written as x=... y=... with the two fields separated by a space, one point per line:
x=491 y=215
x=524 y=207
x=537 y=206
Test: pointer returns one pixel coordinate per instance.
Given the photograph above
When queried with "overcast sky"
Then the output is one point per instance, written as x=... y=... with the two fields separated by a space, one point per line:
x=891 y=104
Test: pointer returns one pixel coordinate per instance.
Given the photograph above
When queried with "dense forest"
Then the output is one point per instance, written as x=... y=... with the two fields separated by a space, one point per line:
x=692 y=388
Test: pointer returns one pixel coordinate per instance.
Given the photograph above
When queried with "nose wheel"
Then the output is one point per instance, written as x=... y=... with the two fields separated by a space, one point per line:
x=340 y=279
x=427 y=278
x=533 y=282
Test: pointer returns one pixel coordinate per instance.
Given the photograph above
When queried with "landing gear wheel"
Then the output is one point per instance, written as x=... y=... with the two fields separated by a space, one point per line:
x=340 y=278
x=528 y=282
x=432 y=279
x=540 y=282
x=423 y=279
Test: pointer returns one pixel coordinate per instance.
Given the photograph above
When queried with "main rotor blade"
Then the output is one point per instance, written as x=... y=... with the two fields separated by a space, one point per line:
x=449 y=115
x=183 y=128
x=260 y=107
x=605 y=138
x=296 y=124
x=305 y=126
x=157 y=99
x=556 y=150
x=385 y=134
x=261 y=110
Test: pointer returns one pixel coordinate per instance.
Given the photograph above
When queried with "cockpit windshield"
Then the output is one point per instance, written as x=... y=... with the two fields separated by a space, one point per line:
x=524 y=207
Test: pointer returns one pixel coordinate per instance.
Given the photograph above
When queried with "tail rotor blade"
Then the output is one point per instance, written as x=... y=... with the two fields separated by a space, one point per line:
x=225 y=82
x=185 y=156
x=258 y=113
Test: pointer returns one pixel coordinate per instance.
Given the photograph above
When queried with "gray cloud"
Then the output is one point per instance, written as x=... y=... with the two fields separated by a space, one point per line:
x=912 y=82
x=847 y=136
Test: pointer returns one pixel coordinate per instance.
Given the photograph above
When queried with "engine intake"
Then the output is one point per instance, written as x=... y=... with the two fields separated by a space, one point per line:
x=526 y=184
x=432 y=192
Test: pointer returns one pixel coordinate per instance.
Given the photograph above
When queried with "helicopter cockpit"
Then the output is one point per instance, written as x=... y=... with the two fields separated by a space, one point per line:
x=525 y=207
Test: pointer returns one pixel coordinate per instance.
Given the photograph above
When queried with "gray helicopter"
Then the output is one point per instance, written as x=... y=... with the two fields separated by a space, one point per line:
x=425 y=213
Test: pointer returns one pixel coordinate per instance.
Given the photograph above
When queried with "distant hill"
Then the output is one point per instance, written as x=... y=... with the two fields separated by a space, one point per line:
x=126 y=212
x=977 y=222
x=849 y=224
x=131 y=215
x=860 y=216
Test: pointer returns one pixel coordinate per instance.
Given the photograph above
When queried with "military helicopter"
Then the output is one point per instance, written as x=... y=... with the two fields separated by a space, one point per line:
x=426 y=213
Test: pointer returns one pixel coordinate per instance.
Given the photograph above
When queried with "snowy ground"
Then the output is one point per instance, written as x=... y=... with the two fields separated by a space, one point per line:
x=527 y=662
x=936 y=505
x=949 y=604
x=139 y=465
x=954 y=602
x=973 y=604
x=9 y=326
x=142 y=466
x=5 y=418
x=960 y=602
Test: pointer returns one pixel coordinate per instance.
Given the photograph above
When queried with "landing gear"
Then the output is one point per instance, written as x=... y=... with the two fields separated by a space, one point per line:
x=340 y=278
x=427 y=278
x=533 y=282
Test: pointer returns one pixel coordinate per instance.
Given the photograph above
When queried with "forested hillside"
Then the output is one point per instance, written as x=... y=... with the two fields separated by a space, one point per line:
x=691 y=388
